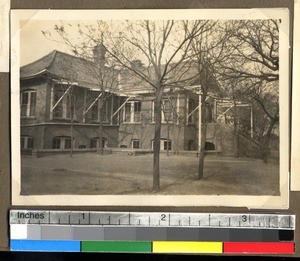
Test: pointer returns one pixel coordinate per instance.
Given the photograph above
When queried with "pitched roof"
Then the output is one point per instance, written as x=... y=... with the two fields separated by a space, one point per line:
x=185 y=75
x=68 y=67
x=37 y=66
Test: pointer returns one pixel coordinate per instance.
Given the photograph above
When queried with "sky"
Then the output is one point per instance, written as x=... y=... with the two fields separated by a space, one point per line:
x=33 y=44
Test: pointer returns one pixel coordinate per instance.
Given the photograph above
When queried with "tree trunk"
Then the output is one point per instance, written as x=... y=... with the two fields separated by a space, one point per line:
x=168 y=136
x=156 y=143
x=100 y=130
x=235 y=130
x=266 y=152
x=72 y=109
x=203 y=137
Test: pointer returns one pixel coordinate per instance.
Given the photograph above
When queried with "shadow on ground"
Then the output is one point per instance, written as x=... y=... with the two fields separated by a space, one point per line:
x=92 y=174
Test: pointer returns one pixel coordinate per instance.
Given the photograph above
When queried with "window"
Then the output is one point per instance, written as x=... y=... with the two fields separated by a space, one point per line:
x=67 y=143
x=127 y=117
x=132 y=111
x=26 y=142
x=63 y=107
x=56 y=143
x=209 y=113
x=190 y=145
x=153 y=111
x=104 y=111
x=137 y=111
x=61 y=143
x=167 y=145
x=95 y=112
x=164 y=144
x=135 y=144
x=28 y=103
x=95 y=143
x=168 y=111
x=191 y=108
x=209 y=146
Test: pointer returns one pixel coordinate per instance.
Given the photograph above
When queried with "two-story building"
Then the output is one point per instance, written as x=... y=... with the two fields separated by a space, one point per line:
x=62 y=105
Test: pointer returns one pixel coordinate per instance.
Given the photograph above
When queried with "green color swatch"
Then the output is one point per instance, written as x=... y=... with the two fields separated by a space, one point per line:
x=116 y=246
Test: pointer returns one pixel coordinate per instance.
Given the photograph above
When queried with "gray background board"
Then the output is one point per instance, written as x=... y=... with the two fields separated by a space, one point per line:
x=4 y=161
x=5 y=189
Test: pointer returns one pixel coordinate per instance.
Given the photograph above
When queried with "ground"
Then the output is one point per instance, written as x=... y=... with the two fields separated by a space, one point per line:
x=115 y=174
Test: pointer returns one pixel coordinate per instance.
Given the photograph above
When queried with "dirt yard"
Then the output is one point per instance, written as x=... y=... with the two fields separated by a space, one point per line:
x=116 y=174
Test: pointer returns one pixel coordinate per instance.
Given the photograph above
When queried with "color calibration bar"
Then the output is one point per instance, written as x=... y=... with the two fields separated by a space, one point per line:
x=123 y=232
x=154 y=247
x=27 y=237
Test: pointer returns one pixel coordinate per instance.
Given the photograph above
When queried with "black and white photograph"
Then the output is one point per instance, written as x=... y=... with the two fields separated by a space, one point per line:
x=150 y=108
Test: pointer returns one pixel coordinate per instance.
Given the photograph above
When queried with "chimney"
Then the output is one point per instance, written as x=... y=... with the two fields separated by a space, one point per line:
x=136 y=64
x=99 y=52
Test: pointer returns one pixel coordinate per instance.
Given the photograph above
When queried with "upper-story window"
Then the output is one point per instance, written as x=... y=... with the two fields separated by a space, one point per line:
x=63 y=106
x=209 y=113
x=168 y=111
x=28 y=103
x=104 y=111
x=132 y=112
x=191 y=112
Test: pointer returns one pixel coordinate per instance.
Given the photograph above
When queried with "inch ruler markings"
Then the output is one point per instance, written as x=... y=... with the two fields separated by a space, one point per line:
x=152 y=232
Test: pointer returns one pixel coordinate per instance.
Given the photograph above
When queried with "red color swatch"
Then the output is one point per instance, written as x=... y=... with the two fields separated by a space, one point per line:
x=259 y=247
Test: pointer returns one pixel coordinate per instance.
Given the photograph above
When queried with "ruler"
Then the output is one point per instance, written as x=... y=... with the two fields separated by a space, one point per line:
x=160 y=232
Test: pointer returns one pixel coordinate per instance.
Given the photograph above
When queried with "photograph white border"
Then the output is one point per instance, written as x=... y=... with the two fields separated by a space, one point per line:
x=295 y=153
x=251 y=202
x=4 y=32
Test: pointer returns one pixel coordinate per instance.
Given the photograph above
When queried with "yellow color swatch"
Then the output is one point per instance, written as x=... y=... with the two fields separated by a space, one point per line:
x=186 y=247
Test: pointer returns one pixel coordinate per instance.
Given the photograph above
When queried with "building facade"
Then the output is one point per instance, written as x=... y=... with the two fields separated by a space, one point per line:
x=62 y=108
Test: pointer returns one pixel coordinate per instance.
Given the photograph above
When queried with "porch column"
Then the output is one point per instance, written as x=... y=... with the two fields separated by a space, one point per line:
x=51 y=100
x=112 y=108
x=84 y=105
x=251 y=121
x=200 y=124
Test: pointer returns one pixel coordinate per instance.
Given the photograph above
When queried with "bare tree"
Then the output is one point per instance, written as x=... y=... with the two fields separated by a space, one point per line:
x=208 y=50
x=101 y=71
x=269 y=103
x=254 y=50
x=65 y=97
x=253 y=60
x=164 y=46
x=232 y=93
